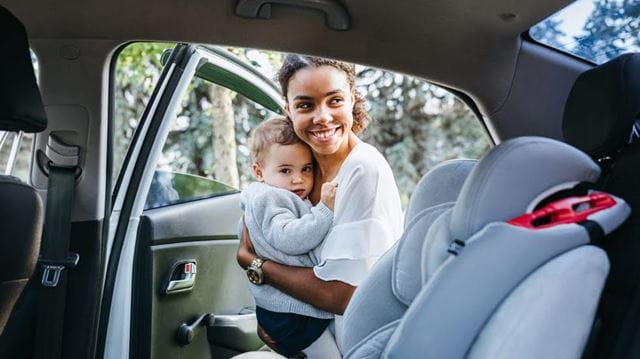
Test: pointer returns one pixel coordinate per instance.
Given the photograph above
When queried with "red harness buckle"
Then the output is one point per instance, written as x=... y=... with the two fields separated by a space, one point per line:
x=566 y=210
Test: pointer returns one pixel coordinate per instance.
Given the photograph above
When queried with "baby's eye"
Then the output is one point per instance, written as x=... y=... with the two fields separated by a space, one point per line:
x=285 y=171
x=307 y=169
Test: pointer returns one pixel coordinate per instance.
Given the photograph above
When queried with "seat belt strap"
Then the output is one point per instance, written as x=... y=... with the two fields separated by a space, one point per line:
x=54 y=259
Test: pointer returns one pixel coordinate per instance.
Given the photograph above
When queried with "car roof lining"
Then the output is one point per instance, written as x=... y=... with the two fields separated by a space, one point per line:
x=463 y=44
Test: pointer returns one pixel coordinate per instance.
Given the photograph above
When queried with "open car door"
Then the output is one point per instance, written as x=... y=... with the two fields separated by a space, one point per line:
x=173 y=286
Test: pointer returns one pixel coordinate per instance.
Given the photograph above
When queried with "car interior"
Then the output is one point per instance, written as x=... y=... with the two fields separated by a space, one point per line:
x=530 y=251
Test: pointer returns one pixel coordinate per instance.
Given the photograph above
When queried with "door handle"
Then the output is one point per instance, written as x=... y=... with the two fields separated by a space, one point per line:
x=182 y=277
x=186 y=332
x=336 y=14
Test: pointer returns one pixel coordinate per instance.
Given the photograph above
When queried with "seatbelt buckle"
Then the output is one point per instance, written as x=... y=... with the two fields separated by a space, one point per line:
x=52 y=269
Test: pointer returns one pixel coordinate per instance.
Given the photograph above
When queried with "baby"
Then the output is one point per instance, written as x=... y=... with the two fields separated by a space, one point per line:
x=285 y=227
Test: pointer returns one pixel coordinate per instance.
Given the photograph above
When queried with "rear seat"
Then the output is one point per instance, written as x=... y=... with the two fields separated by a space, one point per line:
x=21 y=210
x=599 y=115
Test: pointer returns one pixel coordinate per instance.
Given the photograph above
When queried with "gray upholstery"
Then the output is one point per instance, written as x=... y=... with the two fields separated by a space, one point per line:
x=463 y=291
x=407 y=278
x=395 y=279
x=440 y=185
x=561 y=292
x=510 y=176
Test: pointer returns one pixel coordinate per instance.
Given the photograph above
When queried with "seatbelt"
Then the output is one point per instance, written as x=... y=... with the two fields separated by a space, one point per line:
x=54 y=248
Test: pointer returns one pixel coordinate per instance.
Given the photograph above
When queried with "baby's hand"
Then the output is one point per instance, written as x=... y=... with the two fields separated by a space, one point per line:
x=328 y=194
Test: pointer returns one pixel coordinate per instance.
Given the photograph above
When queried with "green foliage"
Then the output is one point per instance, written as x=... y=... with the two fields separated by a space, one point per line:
x=138 y=69
x=611 y=29
x=416 y=125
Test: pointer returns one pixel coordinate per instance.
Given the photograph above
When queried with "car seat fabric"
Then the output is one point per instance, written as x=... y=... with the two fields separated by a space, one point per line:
x=386 y=297
x=440 y=185
x=21 y=210
x=603 y=105
x=561 y=292
x=21 y=107
x=21 y=220
x=494 y=257
x=511 y=175
x=598 y=118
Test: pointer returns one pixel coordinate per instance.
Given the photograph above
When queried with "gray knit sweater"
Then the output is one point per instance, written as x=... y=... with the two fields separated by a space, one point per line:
x=285 y=229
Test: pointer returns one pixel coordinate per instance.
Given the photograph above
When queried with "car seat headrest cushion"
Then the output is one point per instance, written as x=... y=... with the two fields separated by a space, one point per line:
x=503 y=184
x=603 y=105
x=21 y=107
x=440 y=185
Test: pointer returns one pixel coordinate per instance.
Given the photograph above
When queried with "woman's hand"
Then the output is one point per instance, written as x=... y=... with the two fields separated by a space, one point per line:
x=246 y=253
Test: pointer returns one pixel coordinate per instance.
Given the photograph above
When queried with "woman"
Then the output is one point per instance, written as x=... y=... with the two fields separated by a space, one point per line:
x=327 y=113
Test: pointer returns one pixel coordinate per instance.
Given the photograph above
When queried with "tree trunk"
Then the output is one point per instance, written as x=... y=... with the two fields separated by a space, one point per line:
x=225 y=167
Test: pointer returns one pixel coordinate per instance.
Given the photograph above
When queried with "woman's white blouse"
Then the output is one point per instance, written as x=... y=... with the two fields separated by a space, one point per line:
x=368 y=217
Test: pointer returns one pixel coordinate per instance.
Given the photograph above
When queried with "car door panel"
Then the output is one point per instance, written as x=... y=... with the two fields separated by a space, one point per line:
x=201 y=232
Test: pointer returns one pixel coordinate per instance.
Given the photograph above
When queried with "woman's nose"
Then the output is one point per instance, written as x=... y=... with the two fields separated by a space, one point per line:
x=323 y=116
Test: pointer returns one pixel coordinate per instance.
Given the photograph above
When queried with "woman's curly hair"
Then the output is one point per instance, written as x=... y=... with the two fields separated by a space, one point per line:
x=293 y=62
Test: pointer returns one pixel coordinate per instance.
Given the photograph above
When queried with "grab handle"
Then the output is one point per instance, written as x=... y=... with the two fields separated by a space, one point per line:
x=336 y=14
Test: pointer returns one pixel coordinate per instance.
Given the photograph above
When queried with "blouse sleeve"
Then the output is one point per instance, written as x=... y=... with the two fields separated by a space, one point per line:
x=367 y=222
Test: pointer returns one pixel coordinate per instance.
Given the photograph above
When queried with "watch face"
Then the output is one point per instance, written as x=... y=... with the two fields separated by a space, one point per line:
x=254 y=276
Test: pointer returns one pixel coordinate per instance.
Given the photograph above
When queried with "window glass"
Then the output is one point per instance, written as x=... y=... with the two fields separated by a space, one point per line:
x=137 y=70
x=595 y=30
x=415 y=125
x=206 y=152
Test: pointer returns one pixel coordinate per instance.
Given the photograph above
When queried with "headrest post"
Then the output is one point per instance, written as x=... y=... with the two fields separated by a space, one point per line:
x=15 y=147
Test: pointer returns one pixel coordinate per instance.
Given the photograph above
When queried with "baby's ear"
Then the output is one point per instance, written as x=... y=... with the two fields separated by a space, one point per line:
x=257 y=171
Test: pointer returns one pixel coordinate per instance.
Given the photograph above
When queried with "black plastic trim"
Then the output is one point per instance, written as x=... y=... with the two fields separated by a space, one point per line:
x=467 y=100
x=179 y=57
x=141 y=299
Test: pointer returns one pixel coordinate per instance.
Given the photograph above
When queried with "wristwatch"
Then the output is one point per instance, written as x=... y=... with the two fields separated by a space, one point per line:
x=254 y=272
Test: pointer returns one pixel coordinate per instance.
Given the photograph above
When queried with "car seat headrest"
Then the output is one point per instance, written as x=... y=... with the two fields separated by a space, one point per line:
x=603 y=105
x=447 y=177
x=21 y=107
x=505 y=182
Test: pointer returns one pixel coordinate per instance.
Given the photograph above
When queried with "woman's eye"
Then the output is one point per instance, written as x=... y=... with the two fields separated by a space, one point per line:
x=336 y=100
x=303 y=105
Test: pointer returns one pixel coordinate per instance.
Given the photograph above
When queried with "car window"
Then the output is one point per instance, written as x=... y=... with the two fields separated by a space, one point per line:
x=416 y=125
x=206 y=152
x=136 y=70
x=595 y=30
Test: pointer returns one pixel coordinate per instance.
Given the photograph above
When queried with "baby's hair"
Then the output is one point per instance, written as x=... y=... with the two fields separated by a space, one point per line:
x=277 y=130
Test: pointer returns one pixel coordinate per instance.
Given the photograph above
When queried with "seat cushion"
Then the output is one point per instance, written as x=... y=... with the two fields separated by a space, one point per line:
x=21 y=222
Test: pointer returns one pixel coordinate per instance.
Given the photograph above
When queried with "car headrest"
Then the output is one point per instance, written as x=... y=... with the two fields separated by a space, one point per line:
x=603 y=105
x=21 y=106
x=447 y=177
x=505 y=182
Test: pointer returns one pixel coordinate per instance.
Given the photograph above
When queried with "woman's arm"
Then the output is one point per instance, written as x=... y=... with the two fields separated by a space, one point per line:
x=298 y=282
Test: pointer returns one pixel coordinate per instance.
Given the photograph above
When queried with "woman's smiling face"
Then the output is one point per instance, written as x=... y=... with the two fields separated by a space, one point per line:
x=320 y=104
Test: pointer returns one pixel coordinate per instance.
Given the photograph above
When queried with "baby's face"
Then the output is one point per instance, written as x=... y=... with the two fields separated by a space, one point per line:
x=289 y=167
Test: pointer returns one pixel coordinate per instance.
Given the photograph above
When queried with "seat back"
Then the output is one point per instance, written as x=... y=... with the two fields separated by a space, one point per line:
x=599 y=115
x=393 y=283
x=502 y=282
x=475 y=269
x=21 y=211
